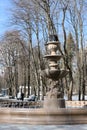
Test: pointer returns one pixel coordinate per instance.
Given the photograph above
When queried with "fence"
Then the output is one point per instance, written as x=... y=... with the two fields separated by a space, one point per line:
x=39 y=104
x=76 y=104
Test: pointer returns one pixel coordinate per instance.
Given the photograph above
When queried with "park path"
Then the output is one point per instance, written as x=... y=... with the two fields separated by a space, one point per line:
x=42 y=127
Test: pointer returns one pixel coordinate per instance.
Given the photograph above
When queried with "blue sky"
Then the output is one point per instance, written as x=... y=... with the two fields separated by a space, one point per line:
x=4 y=15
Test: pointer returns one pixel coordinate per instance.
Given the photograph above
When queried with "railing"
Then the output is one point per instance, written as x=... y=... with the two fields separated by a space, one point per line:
x=20 y=104
x=76 y=104
x=38 y=104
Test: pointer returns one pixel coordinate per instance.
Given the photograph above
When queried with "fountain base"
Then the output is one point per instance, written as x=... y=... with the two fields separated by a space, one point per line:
x=53 y=103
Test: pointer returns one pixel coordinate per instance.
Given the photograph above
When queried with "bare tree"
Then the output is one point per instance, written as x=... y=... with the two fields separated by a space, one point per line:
x=11 y=47
x=38 y=19
x=77 y=19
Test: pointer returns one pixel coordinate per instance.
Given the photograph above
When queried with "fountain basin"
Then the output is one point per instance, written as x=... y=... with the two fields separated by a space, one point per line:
x=53 y=46
x=53 y=57
x=56 y=74
x=42 y=116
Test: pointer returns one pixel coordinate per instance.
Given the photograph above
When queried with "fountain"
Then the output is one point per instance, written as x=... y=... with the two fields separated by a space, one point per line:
x=54 y=98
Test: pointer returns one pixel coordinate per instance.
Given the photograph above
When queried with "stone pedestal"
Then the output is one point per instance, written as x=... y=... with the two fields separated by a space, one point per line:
x=53 y=103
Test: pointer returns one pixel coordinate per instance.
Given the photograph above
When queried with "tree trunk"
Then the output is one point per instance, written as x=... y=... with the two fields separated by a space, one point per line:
x=28 y=78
